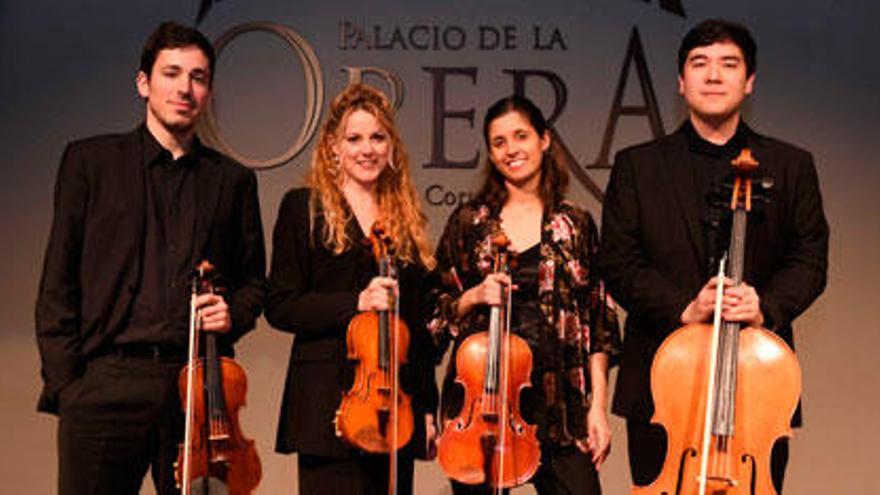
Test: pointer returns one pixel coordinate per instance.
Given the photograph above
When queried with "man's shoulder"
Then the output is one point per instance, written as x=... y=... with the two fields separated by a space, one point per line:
x=218 y=159
x=780 y=147
x=653 y=147
x=102 y=143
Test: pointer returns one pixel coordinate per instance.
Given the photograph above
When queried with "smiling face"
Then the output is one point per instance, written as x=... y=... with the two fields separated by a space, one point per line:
x=363 y=147
x=714 y=83
x=177 y=89
x=516 y=149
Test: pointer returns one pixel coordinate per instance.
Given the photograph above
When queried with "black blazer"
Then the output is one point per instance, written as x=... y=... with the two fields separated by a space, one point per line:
x=313 y=294
x=652 y=253
x=94 y=255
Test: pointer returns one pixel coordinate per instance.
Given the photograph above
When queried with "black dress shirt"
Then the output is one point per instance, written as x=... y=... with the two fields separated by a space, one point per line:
x=160 y=310
x=712 y=169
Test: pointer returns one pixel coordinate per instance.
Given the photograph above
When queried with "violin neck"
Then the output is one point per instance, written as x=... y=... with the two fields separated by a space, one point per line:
x=385 y=270
x=213 y=382
x=497 y=324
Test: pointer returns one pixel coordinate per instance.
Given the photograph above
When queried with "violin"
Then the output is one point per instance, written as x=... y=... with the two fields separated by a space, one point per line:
x=215 y=457
x=724 y=394
x=489 y=442
x=376 y=415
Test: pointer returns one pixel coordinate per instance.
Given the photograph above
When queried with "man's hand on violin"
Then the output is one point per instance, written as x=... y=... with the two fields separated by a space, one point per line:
x=214 y=313
x=740 y=303
x=378 y=295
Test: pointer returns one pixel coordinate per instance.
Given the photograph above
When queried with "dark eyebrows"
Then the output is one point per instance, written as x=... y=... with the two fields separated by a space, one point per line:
x=201 y=72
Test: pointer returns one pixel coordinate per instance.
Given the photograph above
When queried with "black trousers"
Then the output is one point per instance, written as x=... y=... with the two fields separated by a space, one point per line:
x=566 y=471
x=120 y=419
x=646 y=445
x=362 y=475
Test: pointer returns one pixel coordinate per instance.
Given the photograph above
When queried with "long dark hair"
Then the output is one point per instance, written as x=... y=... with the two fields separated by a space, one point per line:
x=554 y=178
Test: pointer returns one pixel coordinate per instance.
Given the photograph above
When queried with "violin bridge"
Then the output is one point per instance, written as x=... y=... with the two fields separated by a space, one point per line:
x=715 y=481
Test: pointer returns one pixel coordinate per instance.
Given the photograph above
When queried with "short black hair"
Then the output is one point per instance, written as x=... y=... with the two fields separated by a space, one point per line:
x=170 y=34
x=715 y=31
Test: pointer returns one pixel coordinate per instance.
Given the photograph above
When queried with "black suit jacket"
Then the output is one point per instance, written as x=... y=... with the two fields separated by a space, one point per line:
x=313 y=293
x=94 y=255
x=653 y=257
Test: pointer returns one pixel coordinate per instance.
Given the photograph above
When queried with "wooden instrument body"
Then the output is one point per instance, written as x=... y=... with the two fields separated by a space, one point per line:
x=462 y=446
x=768 y=387
x=364 y=415
x=220 y=452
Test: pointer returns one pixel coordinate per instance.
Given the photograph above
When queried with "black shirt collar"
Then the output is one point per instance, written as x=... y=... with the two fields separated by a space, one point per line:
x=728 y=150
x=155 y=154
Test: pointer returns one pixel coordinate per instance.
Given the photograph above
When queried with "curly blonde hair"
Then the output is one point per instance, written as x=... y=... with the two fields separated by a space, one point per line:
x=399 y=206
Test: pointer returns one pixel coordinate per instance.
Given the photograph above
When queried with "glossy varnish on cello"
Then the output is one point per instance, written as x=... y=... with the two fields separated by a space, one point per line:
x=215 y=457
x=723 y=415
x=489 y=442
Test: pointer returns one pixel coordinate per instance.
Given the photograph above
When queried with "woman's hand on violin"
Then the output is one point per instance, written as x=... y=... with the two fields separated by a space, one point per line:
x=598 y=443
x=741 y=303
x=214 y=313
x=378 y=295
x=430 y=437
x=488 y=292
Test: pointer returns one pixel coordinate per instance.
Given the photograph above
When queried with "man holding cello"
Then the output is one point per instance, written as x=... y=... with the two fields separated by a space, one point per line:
x=663 y=232
x=134 y=214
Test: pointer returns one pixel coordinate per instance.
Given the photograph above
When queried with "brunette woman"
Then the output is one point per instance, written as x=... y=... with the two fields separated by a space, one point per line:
x=559 y=304
x=323 y=273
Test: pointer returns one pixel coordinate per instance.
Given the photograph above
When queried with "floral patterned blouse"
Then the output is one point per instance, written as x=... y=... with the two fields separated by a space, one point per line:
x=576 y=316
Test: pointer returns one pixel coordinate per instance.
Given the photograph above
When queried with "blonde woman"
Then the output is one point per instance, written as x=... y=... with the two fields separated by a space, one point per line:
x=323 y=273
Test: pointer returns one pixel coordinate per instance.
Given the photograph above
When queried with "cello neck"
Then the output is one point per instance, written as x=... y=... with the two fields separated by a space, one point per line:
x=728 y=338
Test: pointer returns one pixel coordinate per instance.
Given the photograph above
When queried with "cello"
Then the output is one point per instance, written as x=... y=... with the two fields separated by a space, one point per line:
x=489 y=442
x=215 y=458
x=375 y=415
x=724 y=394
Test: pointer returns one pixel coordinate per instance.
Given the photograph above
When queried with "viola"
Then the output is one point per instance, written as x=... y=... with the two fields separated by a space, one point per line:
x=375 y=414
x=489 y=442
x=724 y=394
x=215 y=458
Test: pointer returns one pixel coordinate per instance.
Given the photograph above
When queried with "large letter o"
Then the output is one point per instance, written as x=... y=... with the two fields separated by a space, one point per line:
x=208 y=129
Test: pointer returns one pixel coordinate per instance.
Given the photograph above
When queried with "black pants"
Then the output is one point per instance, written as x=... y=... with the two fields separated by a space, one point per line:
x=646 y=445
x=361 y=475
x=121 y=418
x=565 y=471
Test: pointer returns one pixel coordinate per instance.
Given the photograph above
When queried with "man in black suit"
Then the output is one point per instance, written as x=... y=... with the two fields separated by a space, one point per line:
x=134 y=214
x=662 y=235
